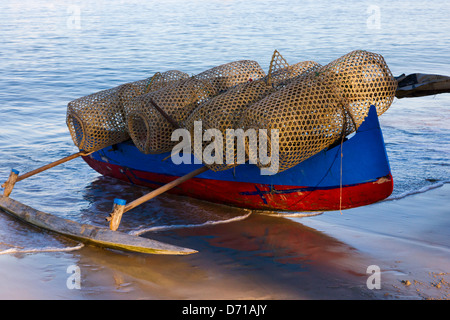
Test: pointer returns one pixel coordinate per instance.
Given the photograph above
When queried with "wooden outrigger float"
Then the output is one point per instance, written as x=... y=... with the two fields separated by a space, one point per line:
x=103 y=237
x=89 y=234
x=371 y=179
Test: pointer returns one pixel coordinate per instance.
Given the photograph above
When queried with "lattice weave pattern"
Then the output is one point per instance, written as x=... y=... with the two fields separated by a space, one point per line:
x=320 y=106
x=98 y=120
x=224 y=111
x=148 y=128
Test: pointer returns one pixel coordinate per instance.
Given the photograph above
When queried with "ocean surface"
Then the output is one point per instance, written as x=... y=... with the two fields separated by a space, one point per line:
x=52 y=52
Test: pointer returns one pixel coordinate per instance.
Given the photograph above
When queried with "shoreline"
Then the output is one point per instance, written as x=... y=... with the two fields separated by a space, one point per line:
x=324 y=257
x=409 y=237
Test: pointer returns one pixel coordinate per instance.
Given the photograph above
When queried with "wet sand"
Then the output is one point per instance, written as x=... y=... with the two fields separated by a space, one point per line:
x=261 y=257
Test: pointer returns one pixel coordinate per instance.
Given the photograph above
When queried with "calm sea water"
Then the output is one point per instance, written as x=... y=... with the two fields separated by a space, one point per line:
x=52 y=52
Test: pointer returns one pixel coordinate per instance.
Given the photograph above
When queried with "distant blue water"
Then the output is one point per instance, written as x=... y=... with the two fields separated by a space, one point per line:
x=53 y=52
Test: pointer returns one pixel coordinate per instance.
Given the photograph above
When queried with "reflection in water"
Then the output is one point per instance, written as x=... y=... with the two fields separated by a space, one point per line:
x=259 y=257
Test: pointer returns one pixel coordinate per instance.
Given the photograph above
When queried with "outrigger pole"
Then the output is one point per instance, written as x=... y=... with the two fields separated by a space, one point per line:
x=14 y=175
x=120 y=206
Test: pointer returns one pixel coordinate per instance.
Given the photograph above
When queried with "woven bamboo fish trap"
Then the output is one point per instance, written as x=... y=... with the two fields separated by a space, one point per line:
x=311 y=106
x=224 y=111
x=321 y=106
x=149 y=128
x=98 y=120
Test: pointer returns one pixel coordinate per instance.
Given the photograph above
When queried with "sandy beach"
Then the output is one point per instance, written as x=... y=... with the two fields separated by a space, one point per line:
x=261 y=257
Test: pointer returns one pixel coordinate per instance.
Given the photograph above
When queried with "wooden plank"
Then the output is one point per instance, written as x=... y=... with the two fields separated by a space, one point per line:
x=102 y=237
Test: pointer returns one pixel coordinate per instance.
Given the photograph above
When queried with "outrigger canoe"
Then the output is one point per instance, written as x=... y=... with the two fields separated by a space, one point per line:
x=353 y=174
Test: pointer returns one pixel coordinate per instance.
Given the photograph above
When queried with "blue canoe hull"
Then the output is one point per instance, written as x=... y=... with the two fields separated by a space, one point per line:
x=326 y=181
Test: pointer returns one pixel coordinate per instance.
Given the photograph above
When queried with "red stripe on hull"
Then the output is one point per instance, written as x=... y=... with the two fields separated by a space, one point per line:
x=257 y=196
